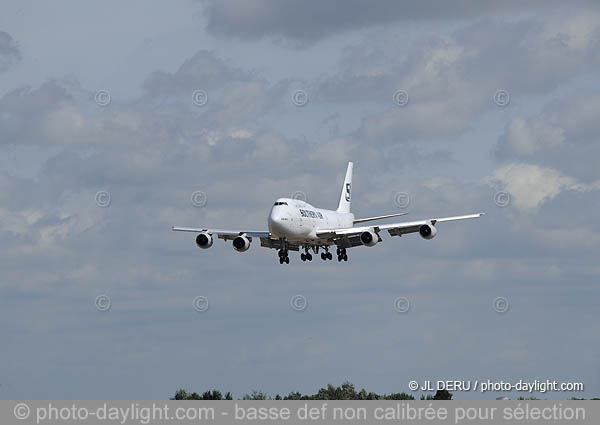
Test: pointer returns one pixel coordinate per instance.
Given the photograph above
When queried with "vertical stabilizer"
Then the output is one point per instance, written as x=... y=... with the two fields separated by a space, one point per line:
x=344 y=205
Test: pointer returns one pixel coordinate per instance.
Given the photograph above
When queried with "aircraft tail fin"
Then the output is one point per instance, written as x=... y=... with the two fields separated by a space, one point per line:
x=344 y=205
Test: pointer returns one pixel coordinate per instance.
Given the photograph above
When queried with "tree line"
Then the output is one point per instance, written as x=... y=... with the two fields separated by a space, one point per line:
x=346 y=391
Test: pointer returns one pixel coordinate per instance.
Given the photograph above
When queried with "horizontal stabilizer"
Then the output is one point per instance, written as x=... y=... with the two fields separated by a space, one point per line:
x=381 y=217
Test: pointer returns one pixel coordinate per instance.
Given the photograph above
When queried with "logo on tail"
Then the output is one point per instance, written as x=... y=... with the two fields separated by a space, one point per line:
x=345 y=193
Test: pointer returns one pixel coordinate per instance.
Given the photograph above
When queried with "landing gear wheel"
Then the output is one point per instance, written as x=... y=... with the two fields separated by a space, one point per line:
x=303 y=257
x=308 y=257
x=329 y=256
x=345 y=257
x=339 y=258
x=323 y=256
x=283 y=256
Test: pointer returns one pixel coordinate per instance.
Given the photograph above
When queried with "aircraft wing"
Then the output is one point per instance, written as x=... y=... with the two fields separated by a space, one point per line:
x=266 y=240
x=350 y=236
x=224 y=234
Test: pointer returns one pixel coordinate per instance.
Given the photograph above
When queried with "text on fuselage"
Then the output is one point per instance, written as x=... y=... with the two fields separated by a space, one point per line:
x=311 y=214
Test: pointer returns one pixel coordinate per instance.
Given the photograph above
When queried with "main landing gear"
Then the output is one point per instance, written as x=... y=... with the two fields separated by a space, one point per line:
x=326 y=255
x=306 y=256
x=341 y=254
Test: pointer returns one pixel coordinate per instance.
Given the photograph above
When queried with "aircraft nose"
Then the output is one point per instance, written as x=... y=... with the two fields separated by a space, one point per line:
x=276 y=224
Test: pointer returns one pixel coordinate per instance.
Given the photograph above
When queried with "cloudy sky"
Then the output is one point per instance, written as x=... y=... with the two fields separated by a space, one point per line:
x=112 y=114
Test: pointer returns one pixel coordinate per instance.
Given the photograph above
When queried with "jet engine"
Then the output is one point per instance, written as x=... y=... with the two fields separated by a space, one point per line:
x=427 y=231
x=204 y=240
x=241 y=243
x=369 y=238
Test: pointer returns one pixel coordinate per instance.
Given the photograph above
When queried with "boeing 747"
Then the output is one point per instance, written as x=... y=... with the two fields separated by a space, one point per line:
x=295 y=225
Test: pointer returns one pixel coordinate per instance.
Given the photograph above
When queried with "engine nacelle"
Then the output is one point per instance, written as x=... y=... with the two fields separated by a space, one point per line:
x=369 y=238
x=428 y=231
x=241 y=243
x=204 y=240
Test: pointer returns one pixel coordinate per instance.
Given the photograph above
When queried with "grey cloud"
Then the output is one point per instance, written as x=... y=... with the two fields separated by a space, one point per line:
x=451 y=78
x=203 y=71
x=10 y=54
x=309 y=21
x=61 y=113
x=564 y=134
x=522 y=56
x=22 y=111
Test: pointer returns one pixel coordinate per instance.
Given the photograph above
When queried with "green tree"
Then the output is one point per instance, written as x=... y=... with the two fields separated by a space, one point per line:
x=442 y=395
x=256 y=395
x=212 y=395
x=293 y=396
x=345 y=392
x=399 y=396
x=180 y=395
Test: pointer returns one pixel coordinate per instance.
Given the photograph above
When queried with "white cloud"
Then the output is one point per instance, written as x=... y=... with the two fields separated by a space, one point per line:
x=530 y=186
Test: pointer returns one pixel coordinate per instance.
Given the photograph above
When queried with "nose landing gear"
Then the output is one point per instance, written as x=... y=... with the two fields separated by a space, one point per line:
x=283 y=253
x=283 y=256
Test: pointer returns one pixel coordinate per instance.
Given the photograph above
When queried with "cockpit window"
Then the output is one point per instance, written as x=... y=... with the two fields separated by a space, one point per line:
x=280 y=203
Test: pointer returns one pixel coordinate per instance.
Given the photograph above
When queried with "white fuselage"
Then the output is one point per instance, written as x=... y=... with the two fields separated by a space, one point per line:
x=298 y=221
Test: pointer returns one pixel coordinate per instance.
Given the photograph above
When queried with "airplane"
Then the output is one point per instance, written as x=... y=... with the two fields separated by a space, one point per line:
x=296 y=225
